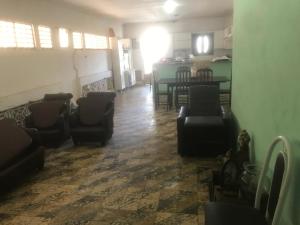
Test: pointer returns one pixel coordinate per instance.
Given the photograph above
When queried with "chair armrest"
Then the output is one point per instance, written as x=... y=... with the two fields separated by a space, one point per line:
x=109 y=111
x=183 y=112
x=226 y=114
x=28 y=121
x=74 y=119
x=34 y=134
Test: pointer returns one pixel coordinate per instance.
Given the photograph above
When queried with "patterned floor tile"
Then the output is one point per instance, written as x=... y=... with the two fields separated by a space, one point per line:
x=138 y=178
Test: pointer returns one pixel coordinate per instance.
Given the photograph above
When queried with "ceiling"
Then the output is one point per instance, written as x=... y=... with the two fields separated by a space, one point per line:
x=152 y=10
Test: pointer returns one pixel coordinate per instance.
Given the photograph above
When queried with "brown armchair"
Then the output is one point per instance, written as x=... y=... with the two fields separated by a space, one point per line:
x=20 y=153
x=49 y=118
x=92 y=121
x=202 y=126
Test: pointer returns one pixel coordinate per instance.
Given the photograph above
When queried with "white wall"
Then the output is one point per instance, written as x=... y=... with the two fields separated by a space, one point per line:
x=134 y=30
x=27 y=74
x=183 y=28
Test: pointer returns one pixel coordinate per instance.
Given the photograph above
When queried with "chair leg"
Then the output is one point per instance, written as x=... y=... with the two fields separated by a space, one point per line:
x=156 y=101
x=176 y=100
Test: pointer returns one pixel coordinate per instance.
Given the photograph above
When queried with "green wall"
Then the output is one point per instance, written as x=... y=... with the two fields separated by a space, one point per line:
x=266 y=80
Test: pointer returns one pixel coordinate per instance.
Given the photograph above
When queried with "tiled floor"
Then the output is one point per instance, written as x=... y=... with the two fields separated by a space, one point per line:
x=138 y=178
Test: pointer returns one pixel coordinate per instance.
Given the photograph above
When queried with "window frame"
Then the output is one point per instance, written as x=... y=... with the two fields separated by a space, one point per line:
x=195 y=37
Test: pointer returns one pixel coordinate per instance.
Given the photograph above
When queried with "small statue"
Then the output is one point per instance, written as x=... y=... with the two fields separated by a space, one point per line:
x=243 y=143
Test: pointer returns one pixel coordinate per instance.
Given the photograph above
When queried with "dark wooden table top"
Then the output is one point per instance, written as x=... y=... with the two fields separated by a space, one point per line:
x=194 y=80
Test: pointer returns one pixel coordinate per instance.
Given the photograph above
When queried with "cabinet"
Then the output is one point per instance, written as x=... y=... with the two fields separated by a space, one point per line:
x=182 y=41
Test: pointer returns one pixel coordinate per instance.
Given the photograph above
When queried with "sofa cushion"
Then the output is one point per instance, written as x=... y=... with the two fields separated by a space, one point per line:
x=229 y=214
x=46 y=114
x=13 y=141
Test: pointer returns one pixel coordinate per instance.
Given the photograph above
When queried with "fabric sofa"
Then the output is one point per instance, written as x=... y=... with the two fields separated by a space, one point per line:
x=20 y=153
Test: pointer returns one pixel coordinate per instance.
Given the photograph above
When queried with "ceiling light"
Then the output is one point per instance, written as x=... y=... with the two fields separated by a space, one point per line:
x=170 y=6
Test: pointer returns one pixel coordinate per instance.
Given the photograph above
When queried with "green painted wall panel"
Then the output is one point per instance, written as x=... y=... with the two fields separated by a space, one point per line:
x=266 y=79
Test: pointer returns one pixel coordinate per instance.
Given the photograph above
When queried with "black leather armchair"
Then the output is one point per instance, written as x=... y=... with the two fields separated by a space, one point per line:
x=49 y=118
x=93 y=119
x=20 y=153
x=202 y=126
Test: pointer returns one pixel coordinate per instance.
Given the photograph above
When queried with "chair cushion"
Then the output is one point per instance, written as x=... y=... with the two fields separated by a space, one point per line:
x=108 y=96
x=217 y=213
x=46 y=114
x=13 y=141
x=203 y=121
x=91 y=110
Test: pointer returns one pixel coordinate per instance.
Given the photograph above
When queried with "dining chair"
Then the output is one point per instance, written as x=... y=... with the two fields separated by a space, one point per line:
x=183 y=76
x=162 y=96
x=205 y=74
x=220 y=213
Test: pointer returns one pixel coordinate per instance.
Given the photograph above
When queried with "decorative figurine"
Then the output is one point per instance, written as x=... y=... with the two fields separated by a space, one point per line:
x=243 y=143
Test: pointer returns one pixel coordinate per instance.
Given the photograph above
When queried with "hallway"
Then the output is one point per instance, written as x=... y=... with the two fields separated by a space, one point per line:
x=138 y=178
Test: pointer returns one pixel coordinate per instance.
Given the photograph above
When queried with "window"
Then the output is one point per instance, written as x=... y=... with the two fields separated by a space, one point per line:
x=95 y=41
x=16 y=35
x=63 y=38
x=77 y=40
x=24 y=35
x=101 y=42
x=202 y=44
x=7 y=35
x=45 y=37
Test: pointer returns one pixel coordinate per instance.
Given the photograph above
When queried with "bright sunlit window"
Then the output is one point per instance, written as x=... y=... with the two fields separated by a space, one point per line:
x=95 y=41
x=45 y=37
x=7 y=35
x=24 y=35
x=155 y=43
x=63 y=38
x=77 y=40
x=202 y=44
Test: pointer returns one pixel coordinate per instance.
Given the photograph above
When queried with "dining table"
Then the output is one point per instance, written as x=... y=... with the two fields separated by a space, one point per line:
x=172 y=82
